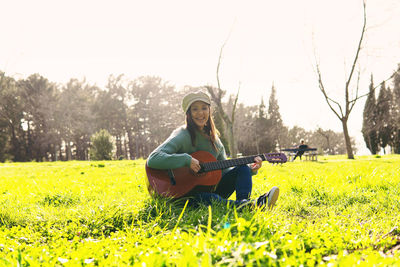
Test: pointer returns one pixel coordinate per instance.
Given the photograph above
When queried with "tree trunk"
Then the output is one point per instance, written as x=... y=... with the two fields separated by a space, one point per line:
x=131 y=145
x=232 y=142
x=118 y=142
x=29 y=142
x=347 y=140
x=257 y=144
x=59 y=147
x=125 y=148
x=68 y=152
x=16 y=148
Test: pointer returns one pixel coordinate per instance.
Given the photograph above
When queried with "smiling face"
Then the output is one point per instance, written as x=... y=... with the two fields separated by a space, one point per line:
x=200 y=113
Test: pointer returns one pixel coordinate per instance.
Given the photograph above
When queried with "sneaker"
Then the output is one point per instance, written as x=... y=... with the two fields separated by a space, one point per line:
x=268 y=198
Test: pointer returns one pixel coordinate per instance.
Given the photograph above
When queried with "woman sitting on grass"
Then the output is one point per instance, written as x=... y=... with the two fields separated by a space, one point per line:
x=200 y=134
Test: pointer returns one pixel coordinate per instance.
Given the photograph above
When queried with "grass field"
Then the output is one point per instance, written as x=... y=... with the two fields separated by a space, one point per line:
x=331 y=212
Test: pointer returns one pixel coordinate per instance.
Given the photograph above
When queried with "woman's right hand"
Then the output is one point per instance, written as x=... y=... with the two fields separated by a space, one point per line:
x=195 y=165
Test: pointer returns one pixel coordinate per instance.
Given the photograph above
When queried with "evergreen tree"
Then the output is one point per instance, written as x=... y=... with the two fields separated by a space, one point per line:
x=369 y=127
x=276 y=124
x=261 y=124
x=383 y=116
x=396 y=112
x=264 y=140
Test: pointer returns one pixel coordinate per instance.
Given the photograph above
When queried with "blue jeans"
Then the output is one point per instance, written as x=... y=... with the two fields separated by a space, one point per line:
x=238 y=179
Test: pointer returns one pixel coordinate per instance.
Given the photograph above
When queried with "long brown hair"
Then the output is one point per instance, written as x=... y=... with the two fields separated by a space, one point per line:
x=209 y=128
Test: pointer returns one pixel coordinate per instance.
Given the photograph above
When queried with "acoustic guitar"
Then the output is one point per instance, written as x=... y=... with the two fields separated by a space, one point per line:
x=183 y=181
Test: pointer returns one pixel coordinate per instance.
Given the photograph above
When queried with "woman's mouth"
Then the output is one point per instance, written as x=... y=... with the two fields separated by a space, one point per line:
x=200 y=120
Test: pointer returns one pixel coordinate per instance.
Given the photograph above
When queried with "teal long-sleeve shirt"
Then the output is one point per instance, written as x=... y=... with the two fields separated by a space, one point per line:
x=175 y=151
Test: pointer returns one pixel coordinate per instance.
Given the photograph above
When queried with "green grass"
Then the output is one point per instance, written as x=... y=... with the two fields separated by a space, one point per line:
x=331 y=212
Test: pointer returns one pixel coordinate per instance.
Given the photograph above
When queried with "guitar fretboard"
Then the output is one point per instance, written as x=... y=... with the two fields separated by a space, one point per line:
x=223 y=164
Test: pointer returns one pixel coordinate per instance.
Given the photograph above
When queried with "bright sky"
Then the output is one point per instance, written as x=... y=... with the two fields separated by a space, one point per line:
x=180 y=40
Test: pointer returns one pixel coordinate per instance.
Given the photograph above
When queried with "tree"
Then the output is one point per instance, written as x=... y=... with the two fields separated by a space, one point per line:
x=343 y=113
x=329 y=142
x=383 y=114
x=275 y=121
x=3 y=138
x=3 y=121
x=75 y=112
x=229 y=121
x=12 y=113
x=369 y=127
x=102 y=146
x=219 y=124
x=327 y=135
x=396 y=112
x=110 y=111
x=265 y=132
x=38 y=96
x=246 y=126
x=296 y=133
x=154 y=112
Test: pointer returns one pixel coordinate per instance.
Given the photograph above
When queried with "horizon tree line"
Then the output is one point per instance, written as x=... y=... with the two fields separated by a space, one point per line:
x=45 y=121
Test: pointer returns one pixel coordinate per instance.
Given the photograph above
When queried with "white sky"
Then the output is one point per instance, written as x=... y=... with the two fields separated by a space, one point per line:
x=180 y=40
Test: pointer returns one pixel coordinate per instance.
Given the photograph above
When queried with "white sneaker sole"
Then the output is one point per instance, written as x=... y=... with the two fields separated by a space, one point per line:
x=273 y=197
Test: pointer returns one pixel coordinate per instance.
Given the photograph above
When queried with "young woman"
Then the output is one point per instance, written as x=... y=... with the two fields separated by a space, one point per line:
x=200 y=134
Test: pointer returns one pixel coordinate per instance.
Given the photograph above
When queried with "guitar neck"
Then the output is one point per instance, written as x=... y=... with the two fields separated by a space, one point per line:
x=223 y=164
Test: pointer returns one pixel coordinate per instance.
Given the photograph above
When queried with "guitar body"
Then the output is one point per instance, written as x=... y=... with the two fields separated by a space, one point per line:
x=186 y=181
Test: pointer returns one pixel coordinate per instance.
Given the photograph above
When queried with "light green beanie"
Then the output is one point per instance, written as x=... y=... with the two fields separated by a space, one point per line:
x=193 y=97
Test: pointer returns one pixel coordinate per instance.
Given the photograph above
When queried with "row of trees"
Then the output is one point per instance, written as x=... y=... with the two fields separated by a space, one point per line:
x=381 y=117
x=260 y=129
x=41 y=120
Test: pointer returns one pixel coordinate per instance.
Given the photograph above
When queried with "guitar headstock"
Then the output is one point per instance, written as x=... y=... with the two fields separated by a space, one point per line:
x=275 y=157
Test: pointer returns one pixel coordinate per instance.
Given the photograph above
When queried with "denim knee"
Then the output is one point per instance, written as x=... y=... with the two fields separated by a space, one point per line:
x=244 y=182
x=245 y=169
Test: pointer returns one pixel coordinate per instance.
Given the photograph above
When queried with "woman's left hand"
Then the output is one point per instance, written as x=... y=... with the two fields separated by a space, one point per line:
x=257 y=164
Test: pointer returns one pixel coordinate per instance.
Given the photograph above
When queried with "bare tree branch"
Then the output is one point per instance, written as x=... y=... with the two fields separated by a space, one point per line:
x=219 y=64
x=373 y=90
x=235 y=104
x=220 y=56
x=327 y=98
x=351 y=103
x=358 y=48
x=217 y=97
